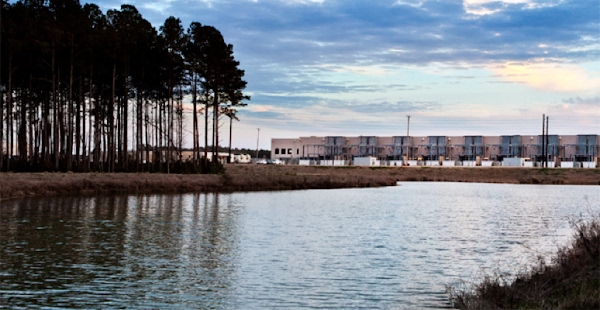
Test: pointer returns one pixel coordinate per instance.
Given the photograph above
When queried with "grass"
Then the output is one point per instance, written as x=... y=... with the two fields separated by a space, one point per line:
x=570 y=281
x=273 y=177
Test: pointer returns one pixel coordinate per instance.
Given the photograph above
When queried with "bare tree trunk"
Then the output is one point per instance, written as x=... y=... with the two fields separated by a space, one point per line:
x=147 y=144
x=97 y=132
x=2 y=130
x=137 y=132
x=159 y=135
x=195 y=120
x=110 y=115
x=61 y=101
x=2 y=120
x=117 y=137
x=23 y=130
x=8 y=114
x=32 y=158
x=46 y=130
x=96 y=149
x=55 y=109
x=125 y=117
x=206 y=104
x=38 y=133
x=91 y=102
x=216 y=127
x=180 y=121
x=169 y=130
x=78 y=121
x=104 y=162
x=69 y=148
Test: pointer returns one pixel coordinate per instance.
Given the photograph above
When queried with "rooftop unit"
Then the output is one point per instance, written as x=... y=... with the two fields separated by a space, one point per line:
x=473 y=147
x=586 y=147
x=367 y=146
x=510 y=146
x=334 y=145
x=436 y=147
x=400 y=145
x=553 y=146
x=334 y=140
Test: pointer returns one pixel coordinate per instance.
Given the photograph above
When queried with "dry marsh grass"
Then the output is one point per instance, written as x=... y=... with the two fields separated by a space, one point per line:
x=276 y=177
x=570 y=281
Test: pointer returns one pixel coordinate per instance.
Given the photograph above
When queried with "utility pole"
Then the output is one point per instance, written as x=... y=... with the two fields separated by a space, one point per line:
x=407 y=138
x=543 y=139
x=547 y=140
x=257 y=138
x=230 y=135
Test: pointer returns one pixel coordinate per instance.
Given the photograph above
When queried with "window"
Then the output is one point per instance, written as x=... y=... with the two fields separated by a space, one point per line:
x=283 y=151
x=276 y=151
x=289 y=151
x=297 y=151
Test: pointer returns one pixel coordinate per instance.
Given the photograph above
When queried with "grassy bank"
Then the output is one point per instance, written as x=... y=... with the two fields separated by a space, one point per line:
x=275 y=177
x=570 y=281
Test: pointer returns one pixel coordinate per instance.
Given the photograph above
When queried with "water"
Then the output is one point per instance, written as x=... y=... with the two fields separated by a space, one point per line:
x=384 y=248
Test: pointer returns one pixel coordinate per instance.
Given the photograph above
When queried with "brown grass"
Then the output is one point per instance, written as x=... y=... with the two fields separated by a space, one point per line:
x=570 y=281
x=274 y=177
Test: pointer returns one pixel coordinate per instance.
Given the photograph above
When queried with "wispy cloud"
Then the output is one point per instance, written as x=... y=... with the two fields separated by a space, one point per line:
x=551 y=77
x=590 y=101
x=350 y=66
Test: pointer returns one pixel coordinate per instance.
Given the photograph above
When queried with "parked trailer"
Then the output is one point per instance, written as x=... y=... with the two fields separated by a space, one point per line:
x=365 y=161
x=241 y=158
x=513 y=162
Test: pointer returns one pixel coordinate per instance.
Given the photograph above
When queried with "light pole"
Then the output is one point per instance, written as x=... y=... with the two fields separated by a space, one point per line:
x=257 y=139
x=407 y=139
x=545 y=140
x=230 y=136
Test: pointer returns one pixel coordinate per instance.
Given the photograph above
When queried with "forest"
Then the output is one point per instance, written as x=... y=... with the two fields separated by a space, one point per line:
x=83 y=90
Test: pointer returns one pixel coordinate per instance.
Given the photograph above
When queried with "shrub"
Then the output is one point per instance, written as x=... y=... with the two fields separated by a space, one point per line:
x=570 y=281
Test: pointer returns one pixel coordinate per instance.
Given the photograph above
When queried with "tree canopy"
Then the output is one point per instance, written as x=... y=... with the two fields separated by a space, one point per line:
x=82 y=90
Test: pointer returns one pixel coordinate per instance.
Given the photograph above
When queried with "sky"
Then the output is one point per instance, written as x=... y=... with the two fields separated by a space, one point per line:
x=351 y=68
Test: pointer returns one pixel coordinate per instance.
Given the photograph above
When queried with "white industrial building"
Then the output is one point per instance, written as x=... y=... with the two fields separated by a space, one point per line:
x=569 y=151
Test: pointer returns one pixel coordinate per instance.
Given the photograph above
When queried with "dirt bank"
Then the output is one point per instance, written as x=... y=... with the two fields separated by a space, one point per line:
x=274 y=177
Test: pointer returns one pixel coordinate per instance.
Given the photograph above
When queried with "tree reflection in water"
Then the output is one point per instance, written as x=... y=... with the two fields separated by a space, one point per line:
x=147 y=251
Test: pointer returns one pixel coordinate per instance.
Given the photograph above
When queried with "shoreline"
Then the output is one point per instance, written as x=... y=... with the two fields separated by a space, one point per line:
x=246 y=178
x=570 y=281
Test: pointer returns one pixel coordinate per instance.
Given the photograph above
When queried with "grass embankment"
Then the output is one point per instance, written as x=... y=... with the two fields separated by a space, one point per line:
x=571 y=281
x=275 y=177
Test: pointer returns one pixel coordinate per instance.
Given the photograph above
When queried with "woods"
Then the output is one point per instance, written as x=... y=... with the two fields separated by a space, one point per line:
x=86 y=91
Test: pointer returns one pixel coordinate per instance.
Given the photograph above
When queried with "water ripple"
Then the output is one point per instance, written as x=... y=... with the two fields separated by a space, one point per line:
x=384 y=248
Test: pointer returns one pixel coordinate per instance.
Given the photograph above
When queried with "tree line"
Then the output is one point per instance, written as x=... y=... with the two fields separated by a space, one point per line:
x=86 y=91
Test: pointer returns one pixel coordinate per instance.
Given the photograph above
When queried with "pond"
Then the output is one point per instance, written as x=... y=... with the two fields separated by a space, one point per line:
x=385 y=248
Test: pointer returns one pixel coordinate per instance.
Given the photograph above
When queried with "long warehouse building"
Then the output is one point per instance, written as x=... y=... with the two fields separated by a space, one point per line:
x=510 y=150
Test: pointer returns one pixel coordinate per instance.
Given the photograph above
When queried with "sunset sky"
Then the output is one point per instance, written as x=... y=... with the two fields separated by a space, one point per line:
x=359 y=67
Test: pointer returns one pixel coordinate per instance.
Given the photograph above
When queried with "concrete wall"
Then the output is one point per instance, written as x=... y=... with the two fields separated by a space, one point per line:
x=286 y=148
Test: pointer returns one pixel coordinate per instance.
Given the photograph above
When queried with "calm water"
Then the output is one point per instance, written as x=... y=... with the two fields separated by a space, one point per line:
x=386 y=248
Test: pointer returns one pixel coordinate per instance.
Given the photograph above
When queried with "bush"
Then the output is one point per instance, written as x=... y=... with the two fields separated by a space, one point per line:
x=570 y=281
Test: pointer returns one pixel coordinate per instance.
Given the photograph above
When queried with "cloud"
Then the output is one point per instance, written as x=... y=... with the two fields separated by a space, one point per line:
x=486 y=7
x=158 y=6
x=362 y=70
x=361 y=33
x=591 y=101
x=361 y=66
x=549 y=77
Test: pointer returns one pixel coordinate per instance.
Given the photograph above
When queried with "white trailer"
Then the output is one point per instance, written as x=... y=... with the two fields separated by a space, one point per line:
x=241 y=158
x=365 y=161
x=513 y=162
